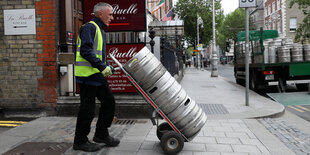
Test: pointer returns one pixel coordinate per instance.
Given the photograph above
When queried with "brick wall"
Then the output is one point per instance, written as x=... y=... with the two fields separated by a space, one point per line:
x=47 y=33
x=28 y=76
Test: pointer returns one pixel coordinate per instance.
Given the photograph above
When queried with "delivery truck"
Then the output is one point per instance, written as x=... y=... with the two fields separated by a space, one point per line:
x=272 y=60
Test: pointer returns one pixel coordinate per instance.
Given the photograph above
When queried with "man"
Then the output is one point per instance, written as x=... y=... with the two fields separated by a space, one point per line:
x=91 y=68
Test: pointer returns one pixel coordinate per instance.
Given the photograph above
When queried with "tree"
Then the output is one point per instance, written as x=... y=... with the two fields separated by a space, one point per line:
x=188 y=10
x=303 y=30
x=232 y=24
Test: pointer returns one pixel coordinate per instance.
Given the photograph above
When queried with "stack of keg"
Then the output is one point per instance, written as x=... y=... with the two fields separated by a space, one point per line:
x=287 y=42
x=166 y=93
x=266 y=50
x=284 y=50
x=284 y=54
x=297 y=53
x=272 y=51
x=307 y=52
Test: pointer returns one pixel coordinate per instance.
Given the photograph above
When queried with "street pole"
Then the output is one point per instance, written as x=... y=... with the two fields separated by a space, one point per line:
x=214 y=59
x=247 y=57
x=247 y=4
x=198 y=55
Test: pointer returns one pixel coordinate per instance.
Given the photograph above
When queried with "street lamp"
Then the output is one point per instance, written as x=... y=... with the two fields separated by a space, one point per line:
x=214 y=59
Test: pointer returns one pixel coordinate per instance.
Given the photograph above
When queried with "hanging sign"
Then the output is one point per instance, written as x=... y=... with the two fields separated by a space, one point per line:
x=123 y=53
x=19 y=21
x=128 y=15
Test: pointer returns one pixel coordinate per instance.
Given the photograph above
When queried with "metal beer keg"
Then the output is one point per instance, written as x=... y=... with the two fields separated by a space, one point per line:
x=284 y=54
x=297 y=53
x=145 y=68
x=166 y=93
x=272 y=54
x=307 y=52
x=176 y=104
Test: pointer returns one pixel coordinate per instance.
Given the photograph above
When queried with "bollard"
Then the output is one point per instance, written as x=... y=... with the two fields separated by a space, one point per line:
x=214 y=62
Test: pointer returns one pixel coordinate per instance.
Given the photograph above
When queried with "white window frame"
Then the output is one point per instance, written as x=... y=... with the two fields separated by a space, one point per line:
x=293 y=26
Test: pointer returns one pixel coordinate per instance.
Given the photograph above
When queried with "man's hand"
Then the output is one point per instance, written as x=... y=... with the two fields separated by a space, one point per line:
x=107 y=71
x=112 y=69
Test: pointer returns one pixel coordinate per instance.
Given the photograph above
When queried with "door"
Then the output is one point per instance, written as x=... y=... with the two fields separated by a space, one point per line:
x=78 y=21
x=77 y=16
x=71 y=13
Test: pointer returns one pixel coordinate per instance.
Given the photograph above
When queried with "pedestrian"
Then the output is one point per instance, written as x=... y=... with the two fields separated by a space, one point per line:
x=91 y=68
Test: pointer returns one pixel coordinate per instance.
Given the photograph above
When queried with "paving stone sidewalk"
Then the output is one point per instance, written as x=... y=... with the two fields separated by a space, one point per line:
x=230 y=132
x=217 y=137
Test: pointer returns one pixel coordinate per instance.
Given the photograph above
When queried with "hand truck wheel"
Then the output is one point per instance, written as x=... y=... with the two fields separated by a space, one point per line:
x=163 y=128
x=172 y=142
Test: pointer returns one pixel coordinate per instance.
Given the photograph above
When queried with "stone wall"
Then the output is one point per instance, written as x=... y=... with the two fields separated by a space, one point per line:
x=28 y=76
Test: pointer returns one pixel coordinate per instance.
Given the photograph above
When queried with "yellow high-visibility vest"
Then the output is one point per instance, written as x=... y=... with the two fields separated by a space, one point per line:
x=82 y=67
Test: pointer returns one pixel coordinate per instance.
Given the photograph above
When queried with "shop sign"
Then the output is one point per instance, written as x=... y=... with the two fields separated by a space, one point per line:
x=123 y=53
x=128 y=15
x=19 y=21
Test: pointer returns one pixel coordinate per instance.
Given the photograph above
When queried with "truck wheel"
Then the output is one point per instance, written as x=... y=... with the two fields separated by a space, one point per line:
x=162 y=129
x=302 y=87
x=253 y=82
x=172 y=142
x=240 y=82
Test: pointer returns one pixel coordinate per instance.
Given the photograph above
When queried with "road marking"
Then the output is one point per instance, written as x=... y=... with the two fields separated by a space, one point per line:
x=16 y=122
x=299 y=110
x=304 y=108
x=11 y=123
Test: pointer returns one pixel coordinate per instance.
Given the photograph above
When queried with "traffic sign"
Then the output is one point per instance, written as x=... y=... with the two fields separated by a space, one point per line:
x=247 y=3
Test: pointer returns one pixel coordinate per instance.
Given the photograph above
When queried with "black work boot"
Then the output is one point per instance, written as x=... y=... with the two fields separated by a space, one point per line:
x=108 y=140
x=87 y=147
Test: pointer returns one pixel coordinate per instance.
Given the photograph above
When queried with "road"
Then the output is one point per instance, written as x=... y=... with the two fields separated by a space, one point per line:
x=9 y=123
x=227 y=71
x=302 y=111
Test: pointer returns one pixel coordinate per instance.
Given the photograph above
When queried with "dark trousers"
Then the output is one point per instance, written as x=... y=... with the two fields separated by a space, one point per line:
x=86 y=113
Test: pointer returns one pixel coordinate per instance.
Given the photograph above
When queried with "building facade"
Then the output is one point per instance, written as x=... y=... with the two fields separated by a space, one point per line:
x=257 y=15
x=28 y=62
x=159 y=13
x=273 y=11
x=37 y=69
x=279 y=16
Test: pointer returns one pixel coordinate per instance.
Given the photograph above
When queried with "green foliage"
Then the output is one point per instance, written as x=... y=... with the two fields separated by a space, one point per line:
x=231 y=25
x=303 y=30
x=188 y=10
x=189 y=50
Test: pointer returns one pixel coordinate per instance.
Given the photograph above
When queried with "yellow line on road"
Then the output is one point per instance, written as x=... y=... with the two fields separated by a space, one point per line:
x=9 y=125
x=13 y=122
x=304 y=108
x=296 y=109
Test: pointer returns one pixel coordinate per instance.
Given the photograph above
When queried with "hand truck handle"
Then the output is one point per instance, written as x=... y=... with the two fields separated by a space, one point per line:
x=115 y=60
